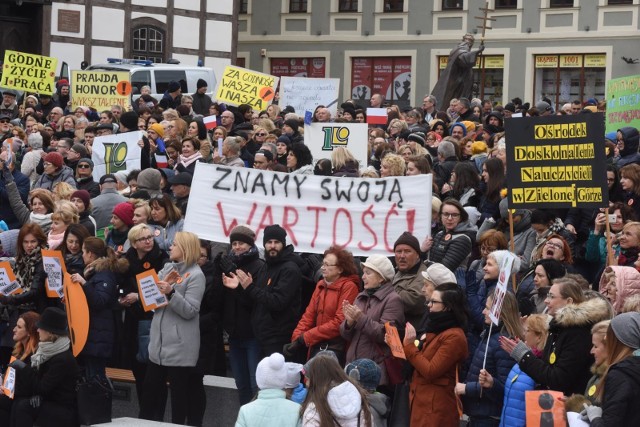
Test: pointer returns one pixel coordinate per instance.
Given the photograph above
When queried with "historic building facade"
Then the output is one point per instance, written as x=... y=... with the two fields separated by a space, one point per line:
x=561 y=49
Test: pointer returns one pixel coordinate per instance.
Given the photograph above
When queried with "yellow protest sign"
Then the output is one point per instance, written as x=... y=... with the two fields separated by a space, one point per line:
x=241 y=86
x=100 y=89
x=28 y=72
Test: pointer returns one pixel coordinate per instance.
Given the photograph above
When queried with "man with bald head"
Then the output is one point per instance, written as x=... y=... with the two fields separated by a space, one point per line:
x=323 y=115
x=376 y=100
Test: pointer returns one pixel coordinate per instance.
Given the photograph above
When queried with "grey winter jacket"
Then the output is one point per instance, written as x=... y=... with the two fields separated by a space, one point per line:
x=175 y=328
x=49 y=181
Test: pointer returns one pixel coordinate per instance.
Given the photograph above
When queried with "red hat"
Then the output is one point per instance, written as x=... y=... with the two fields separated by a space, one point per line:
x=55 y=159
x=124 y=211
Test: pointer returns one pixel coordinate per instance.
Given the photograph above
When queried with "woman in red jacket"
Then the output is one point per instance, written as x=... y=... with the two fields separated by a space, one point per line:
x=319 y=327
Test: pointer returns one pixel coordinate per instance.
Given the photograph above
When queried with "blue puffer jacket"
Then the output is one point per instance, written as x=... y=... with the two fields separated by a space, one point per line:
x=101 y=292
x=499 y=363
x=513 y=410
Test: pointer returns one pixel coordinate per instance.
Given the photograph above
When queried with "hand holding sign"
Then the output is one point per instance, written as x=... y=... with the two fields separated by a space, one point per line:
x=149 y=291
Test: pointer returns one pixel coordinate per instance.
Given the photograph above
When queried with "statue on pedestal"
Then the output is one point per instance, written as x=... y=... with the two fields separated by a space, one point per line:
x=456 y=81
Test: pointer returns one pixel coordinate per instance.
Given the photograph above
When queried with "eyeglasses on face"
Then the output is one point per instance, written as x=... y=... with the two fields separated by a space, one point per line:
x=450 y=215
x=144 y=239
x=84 y=166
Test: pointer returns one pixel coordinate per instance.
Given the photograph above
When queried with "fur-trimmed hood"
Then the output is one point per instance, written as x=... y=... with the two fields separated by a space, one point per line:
x=116 y=265
x=586 y=313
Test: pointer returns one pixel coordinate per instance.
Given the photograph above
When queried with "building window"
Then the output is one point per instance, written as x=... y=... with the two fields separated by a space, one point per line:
x=617 y=2
x=566 y=78
x=393 y=5
x=451 y=4
x=297 y=6
x=244 y=7
x=148 y=43
x=389 y=76
x=560 y=3
x=506 y=4
x=488 y=77
x=299 y=67
x=347 y=5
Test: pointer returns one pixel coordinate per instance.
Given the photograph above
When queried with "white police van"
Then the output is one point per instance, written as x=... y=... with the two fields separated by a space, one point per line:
x=157 y=76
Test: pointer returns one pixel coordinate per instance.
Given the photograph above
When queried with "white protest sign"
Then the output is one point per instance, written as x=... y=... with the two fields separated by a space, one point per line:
x=150 y=295
x=54 y=267
x=323 y=138
x=113 y=153
x=365 y=216
x=8 y=283
x=9 y=383
x=501 y=288
x=305 y=94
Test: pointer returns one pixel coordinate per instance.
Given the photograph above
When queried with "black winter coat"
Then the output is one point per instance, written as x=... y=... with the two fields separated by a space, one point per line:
x=565 y=364
x=452 y=248
x=621 y=391
x=155 y=260
x=54 y=381
x=238 y=305
x=101 y=292
x=277 y=299
x=212 y=358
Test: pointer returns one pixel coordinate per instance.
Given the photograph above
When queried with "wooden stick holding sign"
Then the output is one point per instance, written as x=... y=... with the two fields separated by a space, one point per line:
x=8 y=283
x=150 y=296
x=611 y=257
x=498 y=299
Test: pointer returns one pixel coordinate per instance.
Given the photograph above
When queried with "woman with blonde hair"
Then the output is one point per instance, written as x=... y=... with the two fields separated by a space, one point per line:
x=62 y=191
x=599 y=352
x=392 y=165
x=344 y=163
x=175 y=332
x=629 y=240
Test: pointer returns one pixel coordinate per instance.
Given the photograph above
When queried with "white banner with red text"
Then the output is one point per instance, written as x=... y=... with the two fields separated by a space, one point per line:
x=364 y=216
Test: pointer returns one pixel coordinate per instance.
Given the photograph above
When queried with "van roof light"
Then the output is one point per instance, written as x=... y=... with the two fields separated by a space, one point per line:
x=144 y=62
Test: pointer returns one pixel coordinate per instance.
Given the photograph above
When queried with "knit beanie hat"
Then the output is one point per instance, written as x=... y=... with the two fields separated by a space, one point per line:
x=293 y=124
x=417 y=137
x=626 y=327
x=478 y=147
x=366 y=372
x=242 y=233
x=82 y=195
x=275 y=232
x=201 y=83
x=381 y=265
x=149 y=180
x=408 y=239
x=55 y=159
x=500 y=255
x=173 y=86
x=129 y=120
x=124 y=211
x=87 y=161
x=157 y=128
x=293 y=374
x=471 y=127
x=272 y=372
x=464 y=128
x=284 y=139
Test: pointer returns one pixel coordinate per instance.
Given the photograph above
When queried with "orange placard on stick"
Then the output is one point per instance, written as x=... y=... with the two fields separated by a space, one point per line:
x=75 y=302
x=150 y=295
x=55 y=269
x=8 y=283
x=393 y=341
x=544 y=408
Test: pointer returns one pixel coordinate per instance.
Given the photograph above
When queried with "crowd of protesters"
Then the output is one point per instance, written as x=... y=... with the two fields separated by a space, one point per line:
x=306 y=332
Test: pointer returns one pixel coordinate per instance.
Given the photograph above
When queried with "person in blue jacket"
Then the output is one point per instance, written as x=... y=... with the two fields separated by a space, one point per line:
x=99 y=282
x=481 y=398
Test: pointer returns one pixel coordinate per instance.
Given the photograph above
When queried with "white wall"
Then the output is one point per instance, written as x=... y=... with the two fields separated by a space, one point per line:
x=72 y=54
x=218 y=36
x=186 y=32
x=224 y=7
x=108 y=24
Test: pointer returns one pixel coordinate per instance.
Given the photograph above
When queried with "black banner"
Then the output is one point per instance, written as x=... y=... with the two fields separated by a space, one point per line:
x=556 y=162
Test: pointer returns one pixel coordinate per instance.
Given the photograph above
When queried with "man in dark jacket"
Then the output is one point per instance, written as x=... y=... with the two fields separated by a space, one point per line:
x=628 y=139
x=201 y=101
x=84 y=177
x=172 y=97
x=447 y=160
x=276 y=294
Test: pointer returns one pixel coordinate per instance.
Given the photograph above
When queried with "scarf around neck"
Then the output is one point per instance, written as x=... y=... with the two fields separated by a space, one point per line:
x=441 y=321
x=54 y=240
x=48 y=349
x=186 y=161
x=25 y=268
